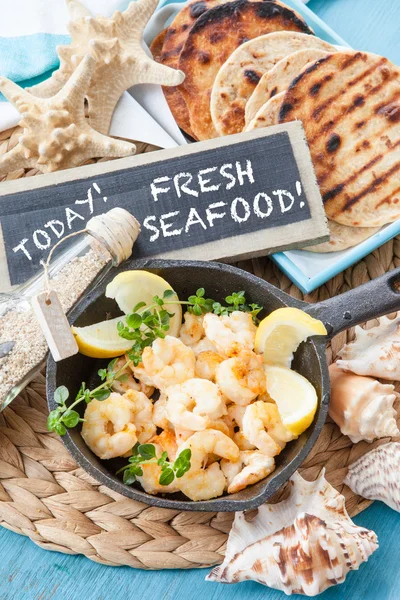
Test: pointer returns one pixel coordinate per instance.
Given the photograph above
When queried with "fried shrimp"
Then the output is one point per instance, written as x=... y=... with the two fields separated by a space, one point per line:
x=160 y=418
x=242 y=377
x=251 y=467
x=192 y=330
x=225 y=331
x=262 y=426
x=201 y=483
x=128 y=381
x=151 y=476
x=168 y=362
x=167 y=441
x=235 y=414
x=194 y=404
x=109 y=429
x=206 y=365
x=193 y=334
x=143 y=418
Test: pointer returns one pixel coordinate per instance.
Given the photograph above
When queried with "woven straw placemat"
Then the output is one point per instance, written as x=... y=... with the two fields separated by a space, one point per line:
x=45 y=496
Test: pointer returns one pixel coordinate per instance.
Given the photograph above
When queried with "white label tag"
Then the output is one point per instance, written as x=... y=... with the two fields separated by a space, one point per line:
x=55 y=326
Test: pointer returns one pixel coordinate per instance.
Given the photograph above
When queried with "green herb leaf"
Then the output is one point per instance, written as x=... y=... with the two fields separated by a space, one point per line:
x=128 y=477
x=168 y=294
x=182 y=462
x=167 y=476
x=134 y=320
x=52 y=420
x=147 y=451
x=111 y=365
x=122 y=378
x=138 y=306
x=102 y=373
x=61 y=394
x=101 y=395
x=70 y=418
x=60 y=429
x=135 y=449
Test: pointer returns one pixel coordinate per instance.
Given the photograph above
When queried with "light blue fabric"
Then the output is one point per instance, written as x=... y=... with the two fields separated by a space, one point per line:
x=29 y=56
x=29 y=59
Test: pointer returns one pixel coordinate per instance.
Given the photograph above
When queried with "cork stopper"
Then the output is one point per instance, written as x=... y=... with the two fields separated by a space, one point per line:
x=117 y=230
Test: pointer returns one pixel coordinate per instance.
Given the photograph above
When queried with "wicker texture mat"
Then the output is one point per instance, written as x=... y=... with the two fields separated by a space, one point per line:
x=45 y=496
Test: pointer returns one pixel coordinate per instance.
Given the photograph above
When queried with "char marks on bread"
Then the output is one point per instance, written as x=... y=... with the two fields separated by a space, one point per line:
x=349 y=103
x=210 y=43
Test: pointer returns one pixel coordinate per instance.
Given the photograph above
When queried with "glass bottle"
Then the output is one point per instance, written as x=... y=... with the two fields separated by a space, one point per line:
x=107 y=240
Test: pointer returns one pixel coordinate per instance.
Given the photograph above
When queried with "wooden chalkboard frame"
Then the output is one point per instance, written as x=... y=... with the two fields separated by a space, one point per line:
x=289 y=236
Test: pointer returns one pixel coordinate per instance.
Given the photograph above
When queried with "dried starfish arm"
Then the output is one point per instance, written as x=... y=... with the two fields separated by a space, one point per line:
x=116 y=44
x=18 y=97
x=74 y=90
x=103 y=97
x=13 y=160
x=52 y=85
x=77 y=10
x=154 y=72
x=56 y=134
x=135 y=16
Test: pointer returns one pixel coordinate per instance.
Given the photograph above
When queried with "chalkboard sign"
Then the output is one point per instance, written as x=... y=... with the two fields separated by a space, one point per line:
x=228 y=198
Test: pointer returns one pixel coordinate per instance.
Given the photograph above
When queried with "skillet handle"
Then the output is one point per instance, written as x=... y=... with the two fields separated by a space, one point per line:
x=378 y=297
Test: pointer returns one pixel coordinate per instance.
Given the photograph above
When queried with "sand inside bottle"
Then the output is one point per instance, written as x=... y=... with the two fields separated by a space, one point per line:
x=19 y=325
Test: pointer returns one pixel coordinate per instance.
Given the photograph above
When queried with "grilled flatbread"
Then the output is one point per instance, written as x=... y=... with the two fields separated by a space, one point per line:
x=343 y=237
x=175 y=38
x=213 y=38
x=157 y=44
x=233 y=87
x=277 y=79
x=349 y=103
x=268 y=114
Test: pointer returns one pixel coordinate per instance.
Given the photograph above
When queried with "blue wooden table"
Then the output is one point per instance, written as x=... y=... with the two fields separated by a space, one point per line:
x=29 y=573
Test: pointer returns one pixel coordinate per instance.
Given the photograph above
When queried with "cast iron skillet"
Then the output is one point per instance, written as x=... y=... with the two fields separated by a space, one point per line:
x=376 y=298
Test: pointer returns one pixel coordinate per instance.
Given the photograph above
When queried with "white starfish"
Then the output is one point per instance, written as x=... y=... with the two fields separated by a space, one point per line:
x=121 y=62
x=56 y=133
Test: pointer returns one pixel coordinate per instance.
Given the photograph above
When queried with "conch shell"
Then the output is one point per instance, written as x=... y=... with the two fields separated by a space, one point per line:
x=302 y=545
x=375 y=475
x=121 y=62
x=375 y=351
x=56 y=134
x=361 y=406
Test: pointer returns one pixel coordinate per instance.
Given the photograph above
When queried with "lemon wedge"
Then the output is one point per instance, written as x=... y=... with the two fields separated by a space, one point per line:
x=131 y=287
x=279 y=335
x=295 y=397
x=101 y=340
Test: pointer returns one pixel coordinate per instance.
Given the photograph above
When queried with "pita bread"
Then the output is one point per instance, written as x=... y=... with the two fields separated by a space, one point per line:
x=343 y=237
x=213 y=38
x=268 y=114
x=277 y=79
x=349 y=103
x=174 y=40
x=157 y=44
x=233 y=86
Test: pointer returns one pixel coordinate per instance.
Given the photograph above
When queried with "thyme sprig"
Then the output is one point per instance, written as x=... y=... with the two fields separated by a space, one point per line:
x=145 y=454
x=145 y=324
x=65 y=417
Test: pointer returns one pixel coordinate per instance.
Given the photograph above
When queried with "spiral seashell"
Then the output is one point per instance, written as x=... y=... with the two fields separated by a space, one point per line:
x=116 y=44
x=375 y=475
x=302 y=545
x=375 y=351
x=362 y=407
